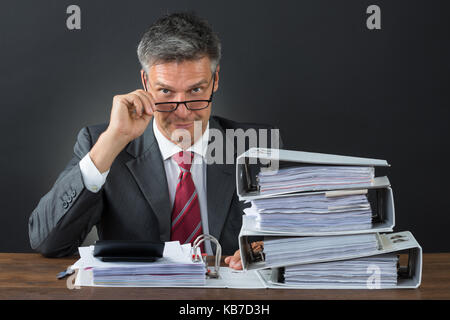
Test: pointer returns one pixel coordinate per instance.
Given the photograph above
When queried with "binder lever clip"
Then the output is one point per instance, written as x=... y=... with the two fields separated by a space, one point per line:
x=196 y=257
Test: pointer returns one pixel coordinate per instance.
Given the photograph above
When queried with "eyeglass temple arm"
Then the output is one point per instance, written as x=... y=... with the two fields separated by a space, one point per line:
x=214 y=82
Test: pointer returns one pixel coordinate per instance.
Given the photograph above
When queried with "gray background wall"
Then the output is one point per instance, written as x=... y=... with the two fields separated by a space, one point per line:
x=310 y=67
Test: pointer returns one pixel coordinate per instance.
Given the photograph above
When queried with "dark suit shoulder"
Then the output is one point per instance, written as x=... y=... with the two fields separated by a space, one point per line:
x=96 y=130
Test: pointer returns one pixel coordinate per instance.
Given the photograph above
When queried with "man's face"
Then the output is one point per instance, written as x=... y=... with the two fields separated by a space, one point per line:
x=187 y=80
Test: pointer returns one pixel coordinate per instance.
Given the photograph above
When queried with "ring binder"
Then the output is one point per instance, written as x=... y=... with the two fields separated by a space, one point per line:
x=197 y=258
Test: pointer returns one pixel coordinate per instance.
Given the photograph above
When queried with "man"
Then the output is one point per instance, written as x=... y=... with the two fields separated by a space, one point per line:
x=145 y=174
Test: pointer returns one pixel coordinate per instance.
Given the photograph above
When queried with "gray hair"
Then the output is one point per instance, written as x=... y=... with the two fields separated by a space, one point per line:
x=179 y=37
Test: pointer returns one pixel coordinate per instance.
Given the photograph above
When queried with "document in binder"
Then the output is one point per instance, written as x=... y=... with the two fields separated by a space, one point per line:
x=340 y=211
x=375 y=272
x=176 y=268
x=264 y=172
x=325 y=212
x=300 y=259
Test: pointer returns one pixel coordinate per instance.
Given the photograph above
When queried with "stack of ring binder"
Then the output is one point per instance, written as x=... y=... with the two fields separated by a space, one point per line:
x=326 y=221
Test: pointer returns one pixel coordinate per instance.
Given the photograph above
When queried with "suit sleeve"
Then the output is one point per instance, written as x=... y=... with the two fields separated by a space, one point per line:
x=66 y=214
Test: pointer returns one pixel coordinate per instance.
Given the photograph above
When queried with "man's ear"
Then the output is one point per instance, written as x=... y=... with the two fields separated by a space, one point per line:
x=144 y=79
x=216 y=84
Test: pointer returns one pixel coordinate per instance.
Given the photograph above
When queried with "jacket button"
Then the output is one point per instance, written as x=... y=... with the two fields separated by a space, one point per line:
x=65 y=205
x=73 y=194
x=69 y=199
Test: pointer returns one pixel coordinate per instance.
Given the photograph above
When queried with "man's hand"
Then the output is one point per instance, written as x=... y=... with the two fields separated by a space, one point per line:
x=130 y=115
x=235 y=262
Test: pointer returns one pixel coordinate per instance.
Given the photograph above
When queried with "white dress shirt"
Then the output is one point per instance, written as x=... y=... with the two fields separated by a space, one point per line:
x=94 y=180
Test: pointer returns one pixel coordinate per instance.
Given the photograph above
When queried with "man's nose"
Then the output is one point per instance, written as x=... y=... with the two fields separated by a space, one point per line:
x=182 y=111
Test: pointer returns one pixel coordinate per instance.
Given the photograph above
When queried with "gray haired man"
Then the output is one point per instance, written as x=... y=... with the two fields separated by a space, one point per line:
x=125 y=176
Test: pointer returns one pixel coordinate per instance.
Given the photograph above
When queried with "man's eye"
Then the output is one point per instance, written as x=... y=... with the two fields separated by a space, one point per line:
x=196 y=90
x=164 y=91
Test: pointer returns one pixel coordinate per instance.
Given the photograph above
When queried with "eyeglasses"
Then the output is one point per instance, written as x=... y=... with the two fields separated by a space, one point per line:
x=189 y=104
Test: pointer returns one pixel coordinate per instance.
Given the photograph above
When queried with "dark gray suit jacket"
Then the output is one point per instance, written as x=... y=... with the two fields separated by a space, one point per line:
x=133 y=203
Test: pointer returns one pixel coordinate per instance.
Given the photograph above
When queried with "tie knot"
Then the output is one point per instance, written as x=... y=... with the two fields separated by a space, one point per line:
x=184 y=159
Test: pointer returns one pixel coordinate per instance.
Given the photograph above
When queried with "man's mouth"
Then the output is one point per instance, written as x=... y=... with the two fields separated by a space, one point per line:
x=183 y=125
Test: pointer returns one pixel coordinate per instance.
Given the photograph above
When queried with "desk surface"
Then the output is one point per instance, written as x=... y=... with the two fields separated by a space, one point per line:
x=31 y=276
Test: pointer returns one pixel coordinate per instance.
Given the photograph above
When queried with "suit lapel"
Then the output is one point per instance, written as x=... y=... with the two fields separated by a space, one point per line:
x=220 y=188
x=148 y=170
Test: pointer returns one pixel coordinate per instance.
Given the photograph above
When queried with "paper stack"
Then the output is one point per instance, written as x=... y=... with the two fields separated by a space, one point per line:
x=320 y=216
x=312 y=178
x=175 y=268
x=307 y=249
x=343 y=273
x=308 y=212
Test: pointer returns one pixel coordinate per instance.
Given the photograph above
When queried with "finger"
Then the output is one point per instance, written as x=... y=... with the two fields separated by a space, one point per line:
x=147 y=100
x=227 y=259
x=137 y=103
x=131 y=102
x=147 y=95
x=238 y=265
x=236 y=258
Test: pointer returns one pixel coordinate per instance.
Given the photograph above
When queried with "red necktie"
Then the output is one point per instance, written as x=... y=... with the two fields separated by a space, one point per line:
x=186 y=219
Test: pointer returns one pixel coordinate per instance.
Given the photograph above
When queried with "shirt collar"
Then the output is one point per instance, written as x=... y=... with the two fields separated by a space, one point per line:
x=168 y=148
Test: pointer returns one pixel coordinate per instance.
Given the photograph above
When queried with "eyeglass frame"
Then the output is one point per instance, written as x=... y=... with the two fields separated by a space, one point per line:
x=185 y=102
